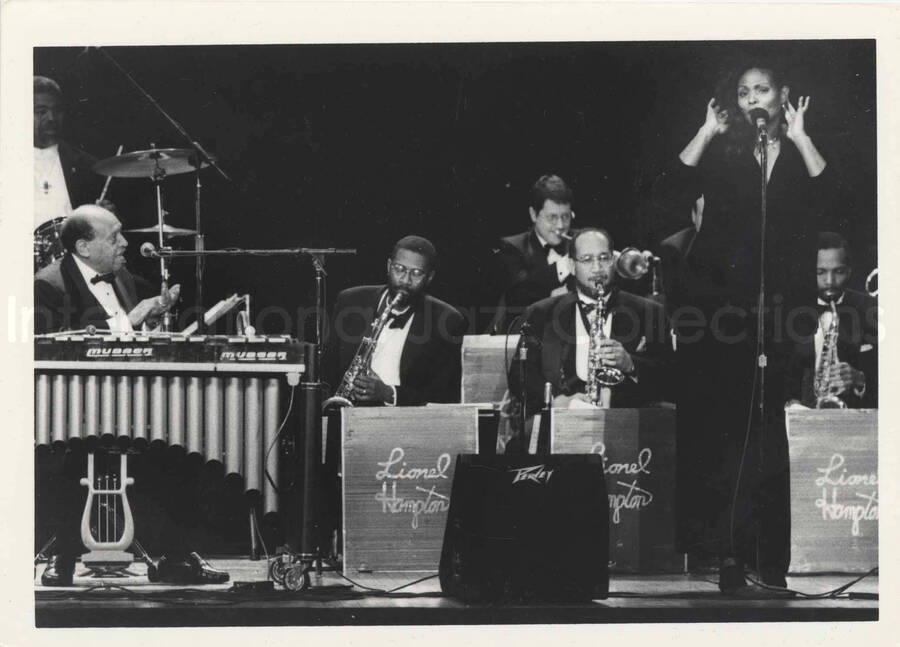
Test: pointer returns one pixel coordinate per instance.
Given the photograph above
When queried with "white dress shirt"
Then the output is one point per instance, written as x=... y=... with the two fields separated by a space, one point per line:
x=388 y=350
x=562 y=266
x=118 y=319
x=51 y=197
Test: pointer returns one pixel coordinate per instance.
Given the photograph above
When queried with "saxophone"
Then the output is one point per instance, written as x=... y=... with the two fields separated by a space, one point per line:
x=599 y=375
x=826 y=397
x=362 y=361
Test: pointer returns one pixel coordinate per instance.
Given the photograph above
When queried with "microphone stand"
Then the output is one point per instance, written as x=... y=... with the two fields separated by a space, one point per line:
x=295 y=577
x=762 y=359
x=201 y=157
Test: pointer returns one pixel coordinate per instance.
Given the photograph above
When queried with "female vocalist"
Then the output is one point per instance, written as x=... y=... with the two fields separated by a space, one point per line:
x=733 y=470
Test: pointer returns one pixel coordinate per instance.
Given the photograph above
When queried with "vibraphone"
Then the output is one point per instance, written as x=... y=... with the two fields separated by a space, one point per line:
x=217 y=397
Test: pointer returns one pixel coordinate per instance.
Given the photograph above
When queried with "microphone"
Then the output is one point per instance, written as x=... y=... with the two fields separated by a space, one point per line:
x=149 y=251
x=760 y=117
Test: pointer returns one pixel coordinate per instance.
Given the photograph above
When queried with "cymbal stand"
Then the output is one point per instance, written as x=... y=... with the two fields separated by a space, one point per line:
x=202 y=158
x=159 y=174
x=199 y=244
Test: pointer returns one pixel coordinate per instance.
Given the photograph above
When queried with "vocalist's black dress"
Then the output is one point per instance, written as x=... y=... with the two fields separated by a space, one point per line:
x=713 y=310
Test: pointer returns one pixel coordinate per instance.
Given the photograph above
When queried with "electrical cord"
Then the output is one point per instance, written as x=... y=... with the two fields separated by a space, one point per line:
x=275 y=443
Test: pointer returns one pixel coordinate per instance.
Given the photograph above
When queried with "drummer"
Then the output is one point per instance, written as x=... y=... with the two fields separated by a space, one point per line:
x=63 y=177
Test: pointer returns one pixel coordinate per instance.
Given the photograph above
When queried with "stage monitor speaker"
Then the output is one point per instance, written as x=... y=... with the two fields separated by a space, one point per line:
x=527 y=529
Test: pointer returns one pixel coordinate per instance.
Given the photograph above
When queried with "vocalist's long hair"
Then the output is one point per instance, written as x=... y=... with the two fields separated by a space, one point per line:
x=741 y=135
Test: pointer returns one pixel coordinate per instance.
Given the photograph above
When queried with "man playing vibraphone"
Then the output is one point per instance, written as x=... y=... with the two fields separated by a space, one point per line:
x=91 y=287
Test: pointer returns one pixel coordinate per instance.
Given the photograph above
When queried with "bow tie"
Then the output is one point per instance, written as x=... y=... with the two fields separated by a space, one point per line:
x=559 y=249
x=825 y=307
x=109 y=277
x=399 y=320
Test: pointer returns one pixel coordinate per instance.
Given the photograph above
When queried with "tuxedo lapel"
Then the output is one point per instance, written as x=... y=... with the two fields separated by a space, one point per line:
x=626 y=321
x=559 y=339
x=416 y=342
x=83 y=298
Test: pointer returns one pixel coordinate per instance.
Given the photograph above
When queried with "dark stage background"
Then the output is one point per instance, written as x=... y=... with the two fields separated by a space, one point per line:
x=356 y=146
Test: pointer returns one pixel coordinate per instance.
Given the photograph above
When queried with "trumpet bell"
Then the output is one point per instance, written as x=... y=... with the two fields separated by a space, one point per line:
x=633 y=263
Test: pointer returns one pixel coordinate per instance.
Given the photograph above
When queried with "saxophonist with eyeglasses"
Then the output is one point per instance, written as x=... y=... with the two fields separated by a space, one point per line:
x=599 y=345
x=394 y=344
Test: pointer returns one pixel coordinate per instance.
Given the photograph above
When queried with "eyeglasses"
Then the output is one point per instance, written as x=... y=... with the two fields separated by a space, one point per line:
x=401 y=270
x=559 y=218
x=603 y=259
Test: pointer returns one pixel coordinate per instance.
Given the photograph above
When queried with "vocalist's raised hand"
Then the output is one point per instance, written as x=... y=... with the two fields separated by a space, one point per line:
x=796 y=132
x=716 y=119
x=716 y=123
x=794 y=117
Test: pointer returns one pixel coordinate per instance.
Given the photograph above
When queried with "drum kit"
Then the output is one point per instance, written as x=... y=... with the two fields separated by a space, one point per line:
x=155 y=164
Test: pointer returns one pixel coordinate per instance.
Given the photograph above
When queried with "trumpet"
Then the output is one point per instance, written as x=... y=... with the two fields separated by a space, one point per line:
x=872 y=283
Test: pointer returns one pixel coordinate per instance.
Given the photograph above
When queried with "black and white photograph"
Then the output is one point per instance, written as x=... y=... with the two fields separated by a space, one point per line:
x=538 y=327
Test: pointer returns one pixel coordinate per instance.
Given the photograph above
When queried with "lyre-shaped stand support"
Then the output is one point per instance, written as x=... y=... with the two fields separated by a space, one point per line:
x=107 y=553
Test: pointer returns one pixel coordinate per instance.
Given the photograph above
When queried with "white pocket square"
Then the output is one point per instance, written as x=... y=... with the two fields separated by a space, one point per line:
x=865 y=347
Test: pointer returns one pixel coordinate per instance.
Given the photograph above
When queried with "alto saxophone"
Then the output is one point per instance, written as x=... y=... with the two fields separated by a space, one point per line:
x=362 y=361
x=826 y=396
x=599 y=375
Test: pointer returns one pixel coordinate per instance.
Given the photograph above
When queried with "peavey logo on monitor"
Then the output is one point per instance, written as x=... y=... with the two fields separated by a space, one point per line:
x=253 y=356
x=119 y=353
x=535 y=473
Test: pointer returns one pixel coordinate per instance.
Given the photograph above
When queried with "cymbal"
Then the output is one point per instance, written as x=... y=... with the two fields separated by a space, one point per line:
x=168 y=230
x=149 y=163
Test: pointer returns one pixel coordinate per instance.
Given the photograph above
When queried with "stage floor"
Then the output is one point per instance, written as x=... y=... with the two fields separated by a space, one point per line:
x=134 y=601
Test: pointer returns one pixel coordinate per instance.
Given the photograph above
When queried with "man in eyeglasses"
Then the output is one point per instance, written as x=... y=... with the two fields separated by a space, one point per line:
x=417 y=355
x=557 y=331
x=534 y=265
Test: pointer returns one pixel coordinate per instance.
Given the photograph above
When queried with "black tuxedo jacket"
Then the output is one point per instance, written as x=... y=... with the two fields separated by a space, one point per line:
x=84 y=186
x=430 y=364
x=63 y=301
x=639 y=324
x=522 y=277
x=857 y=345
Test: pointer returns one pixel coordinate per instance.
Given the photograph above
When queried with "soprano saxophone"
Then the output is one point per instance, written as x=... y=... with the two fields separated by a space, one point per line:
x=362 y=361
x=826 y=398
x=599 y=375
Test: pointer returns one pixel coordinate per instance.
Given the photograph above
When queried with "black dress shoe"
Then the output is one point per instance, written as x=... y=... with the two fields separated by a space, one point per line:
x=731 y=576
x=59 y=572
x=191 y=570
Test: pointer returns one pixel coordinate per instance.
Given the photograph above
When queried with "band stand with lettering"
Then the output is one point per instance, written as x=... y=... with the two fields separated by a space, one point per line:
x=637 y=447
x=397 y=469
x=834 y=490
